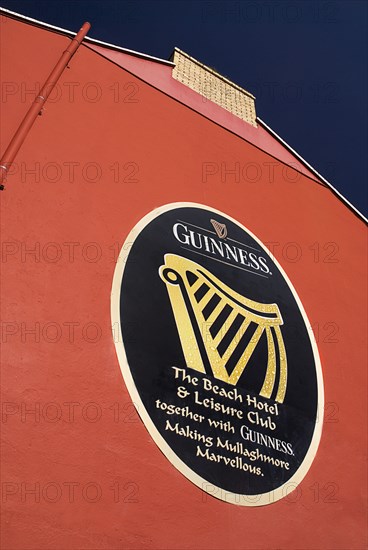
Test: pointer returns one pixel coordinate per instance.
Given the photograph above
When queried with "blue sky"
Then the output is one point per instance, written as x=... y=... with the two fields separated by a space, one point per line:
x=305 y=61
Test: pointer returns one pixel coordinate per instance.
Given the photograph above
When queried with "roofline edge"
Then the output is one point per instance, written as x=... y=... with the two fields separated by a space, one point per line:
x=21 y=17
x=328 y=184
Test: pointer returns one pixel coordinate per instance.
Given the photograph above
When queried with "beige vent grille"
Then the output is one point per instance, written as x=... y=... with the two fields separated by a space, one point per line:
x=214 y=87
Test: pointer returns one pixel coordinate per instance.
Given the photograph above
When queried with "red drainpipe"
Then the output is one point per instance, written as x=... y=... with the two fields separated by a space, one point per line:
x=36 y=107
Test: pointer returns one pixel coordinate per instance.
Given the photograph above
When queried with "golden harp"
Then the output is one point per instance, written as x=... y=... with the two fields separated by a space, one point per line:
x=214 y=323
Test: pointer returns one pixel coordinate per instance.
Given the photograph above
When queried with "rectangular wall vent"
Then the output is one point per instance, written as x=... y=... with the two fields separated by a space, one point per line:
x=214 y=87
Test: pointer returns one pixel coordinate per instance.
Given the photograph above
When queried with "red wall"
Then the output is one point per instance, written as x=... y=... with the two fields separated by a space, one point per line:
x=60 y=286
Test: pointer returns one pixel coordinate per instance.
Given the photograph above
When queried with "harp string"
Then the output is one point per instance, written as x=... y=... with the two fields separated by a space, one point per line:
x=269 y=380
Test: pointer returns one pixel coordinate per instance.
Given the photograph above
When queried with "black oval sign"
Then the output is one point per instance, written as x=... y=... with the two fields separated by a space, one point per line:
x=216 y=351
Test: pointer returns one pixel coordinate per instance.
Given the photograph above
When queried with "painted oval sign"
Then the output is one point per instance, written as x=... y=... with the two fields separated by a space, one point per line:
x=216 y=351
